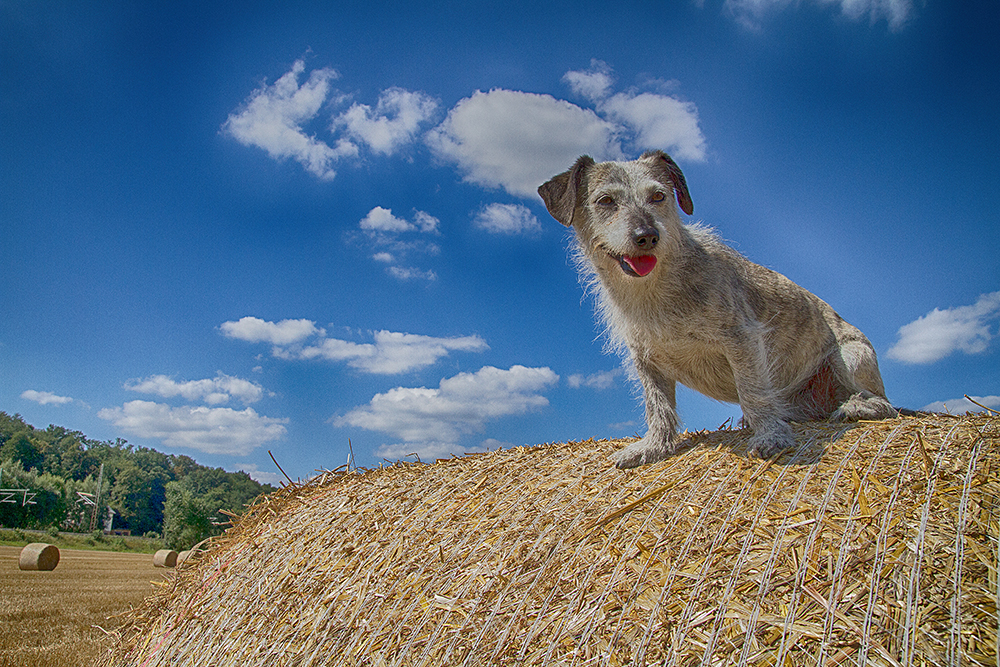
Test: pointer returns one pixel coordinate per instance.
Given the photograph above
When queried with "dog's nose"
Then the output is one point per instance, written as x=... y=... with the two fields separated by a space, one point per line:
x=645 y=237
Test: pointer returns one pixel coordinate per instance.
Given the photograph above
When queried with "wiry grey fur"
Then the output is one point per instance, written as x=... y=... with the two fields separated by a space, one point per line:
x=705 y=316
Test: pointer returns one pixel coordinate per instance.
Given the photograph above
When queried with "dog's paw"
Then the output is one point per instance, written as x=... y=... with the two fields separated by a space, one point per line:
x=647 y=450
x=864 y=406
x=772 y=440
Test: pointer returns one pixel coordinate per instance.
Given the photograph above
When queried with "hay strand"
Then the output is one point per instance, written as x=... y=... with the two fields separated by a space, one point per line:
x=39 y=556
x=874 y=543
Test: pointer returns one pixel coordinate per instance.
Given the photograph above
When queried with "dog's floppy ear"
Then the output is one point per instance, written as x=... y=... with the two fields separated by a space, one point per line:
x=559 y=194
x=676 y=177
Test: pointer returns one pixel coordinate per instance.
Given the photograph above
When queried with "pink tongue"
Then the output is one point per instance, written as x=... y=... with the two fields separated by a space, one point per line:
x=641 y=264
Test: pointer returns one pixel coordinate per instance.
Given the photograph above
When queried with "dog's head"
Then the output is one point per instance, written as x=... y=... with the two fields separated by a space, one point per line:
x=620 y=210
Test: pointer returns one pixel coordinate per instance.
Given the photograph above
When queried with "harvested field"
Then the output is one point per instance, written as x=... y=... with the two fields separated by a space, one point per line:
x=55 y=619
x=873 y=543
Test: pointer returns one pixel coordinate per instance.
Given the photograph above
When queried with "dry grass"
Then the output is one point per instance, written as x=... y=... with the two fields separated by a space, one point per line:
x=53 y=619
x=875 y=543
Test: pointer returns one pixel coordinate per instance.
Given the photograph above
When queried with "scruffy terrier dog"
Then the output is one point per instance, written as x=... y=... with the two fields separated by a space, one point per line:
x=689 y=309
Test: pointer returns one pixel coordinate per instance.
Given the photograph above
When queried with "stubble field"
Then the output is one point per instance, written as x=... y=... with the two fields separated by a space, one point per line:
x=60 y=618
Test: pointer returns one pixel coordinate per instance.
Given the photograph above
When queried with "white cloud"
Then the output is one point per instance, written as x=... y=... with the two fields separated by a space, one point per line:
x=499 y=139
x=649 y=120
x=426 y=222
x=392 y=353
x=383 y=230
x=274 y=116
x=382 y=220
x=208 y=430
x=600 y=380
x=433 y=420
x=392 y=123
x=285 y=332
x=506 y=219
x=939 y=333
x=213 y=391
x=517 y=140
x=593 y=84
x=959 y=406
x=751 y=13
x=411 y=273
x=45 y=397
x=658 y=121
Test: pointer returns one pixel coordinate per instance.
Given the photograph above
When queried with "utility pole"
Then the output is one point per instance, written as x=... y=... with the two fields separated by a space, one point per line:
x=97 y=498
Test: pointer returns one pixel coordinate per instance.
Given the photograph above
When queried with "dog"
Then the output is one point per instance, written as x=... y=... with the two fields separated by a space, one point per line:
x=687 y=308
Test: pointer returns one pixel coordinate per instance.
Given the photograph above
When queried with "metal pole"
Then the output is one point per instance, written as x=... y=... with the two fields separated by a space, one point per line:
x=97 y=499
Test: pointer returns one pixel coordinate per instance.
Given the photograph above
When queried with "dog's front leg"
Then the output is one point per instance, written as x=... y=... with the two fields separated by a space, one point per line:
x=660 y=440
x=763 y=407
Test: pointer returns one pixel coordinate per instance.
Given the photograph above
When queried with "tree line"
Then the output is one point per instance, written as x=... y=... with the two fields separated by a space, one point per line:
x=150 y=493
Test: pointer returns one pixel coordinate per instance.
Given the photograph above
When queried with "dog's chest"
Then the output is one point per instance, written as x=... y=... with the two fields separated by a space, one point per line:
x=692 y=360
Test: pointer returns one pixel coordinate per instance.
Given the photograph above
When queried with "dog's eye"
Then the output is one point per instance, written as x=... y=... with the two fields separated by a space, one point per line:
x=606 y=200
x=658 y=197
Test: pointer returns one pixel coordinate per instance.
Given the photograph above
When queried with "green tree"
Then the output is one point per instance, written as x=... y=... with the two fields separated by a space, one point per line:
x=22 y=447
x=189 y=517
x=45 y=503
x=192 y=509
x=140 y=490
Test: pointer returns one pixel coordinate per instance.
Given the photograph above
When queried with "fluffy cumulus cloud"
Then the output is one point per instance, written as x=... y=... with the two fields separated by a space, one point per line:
x=516 y=140
x=430 y=422
x=213 y=391
x=600 y=380
x=285 y=332
x=381 y=221
x=646 y=119
x=751 y=13
x=389 y=232
x=275 y=115
x=276 y=118
x=939 y=333
x=45 y=397
x=592 y=84
x=390 y=353
x=506 y=139
x=506 y=219
x=393 y=122
x=209 y=430
x=959 y=406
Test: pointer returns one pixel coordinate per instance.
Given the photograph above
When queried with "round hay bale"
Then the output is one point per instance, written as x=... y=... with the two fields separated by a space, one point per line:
x=872 y=543
x=39 y=556
x=165 y=558
x=183 y=556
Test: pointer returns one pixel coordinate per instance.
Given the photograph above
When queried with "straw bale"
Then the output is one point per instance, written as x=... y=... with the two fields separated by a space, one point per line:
x=39 y=556
x=872 y=543
x=165 y=558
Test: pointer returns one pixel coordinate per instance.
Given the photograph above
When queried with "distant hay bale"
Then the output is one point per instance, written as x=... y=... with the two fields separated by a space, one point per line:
x=165 y=558
x=39 y=556
x=873 y=543
x=183 y=556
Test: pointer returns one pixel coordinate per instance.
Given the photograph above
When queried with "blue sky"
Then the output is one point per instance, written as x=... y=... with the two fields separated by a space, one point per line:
x=227 y=231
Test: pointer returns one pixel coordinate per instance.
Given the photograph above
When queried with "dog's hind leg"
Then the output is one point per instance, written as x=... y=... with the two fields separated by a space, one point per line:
x=867 y=400
x=661 y=420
